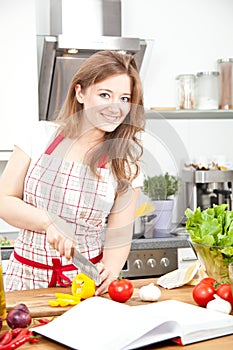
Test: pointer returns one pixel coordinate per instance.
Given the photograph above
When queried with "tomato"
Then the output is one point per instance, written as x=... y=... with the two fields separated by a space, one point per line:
x=209 y=280
x=224 y=291
x=120 y=290
x=203 y=293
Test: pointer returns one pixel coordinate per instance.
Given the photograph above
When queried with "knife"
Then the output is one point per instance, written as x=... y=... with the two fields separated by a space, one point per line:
x=85 y=266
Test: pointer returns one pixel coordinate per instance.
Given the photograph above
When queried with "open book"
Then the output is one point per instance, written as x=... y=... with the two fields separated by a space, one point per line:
x=102 y=324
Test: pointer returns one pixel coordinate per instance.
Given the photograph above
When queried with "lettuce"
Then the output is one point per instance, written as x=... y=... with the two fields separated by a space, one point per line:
x=212 y=228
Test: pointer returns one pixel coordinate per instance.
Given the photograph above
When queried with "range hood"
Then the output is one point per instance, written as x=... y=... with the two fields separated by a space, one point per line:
x=67 y=47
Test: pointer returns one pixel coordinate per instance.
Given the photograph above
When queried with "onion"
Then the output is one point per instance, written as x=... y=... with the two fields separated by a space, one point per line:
x=22 y=307
x=19 y=317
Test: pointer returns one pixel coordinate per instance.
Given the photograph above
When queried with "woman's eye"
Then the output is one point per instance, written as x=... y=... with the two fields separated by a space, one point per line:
x=104 y=95
x=125 y=99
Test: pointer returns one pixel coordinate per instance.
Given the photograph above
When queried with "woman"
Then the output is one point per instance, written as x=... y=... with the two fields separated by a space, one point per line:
x=76 y=183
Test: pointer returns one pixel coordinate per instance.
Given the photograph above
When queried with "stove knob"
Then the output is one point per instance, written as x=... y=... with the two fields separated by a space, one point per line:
x=138 y=264
x=164 y=262
x=151 y=262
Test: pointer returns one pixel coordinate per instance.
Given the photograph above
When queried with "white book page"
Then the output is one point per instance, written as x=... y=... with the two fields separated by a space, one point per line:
x=102 y=324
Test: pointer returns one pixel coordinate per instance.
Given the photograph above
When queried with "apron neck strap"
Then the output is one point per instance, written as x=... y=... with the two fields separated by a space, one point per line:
x=54 y=144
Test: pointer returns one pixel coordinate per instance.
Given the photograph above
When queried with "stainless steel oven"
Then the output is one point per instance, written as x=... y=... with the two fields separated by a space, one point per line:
x=155 y=253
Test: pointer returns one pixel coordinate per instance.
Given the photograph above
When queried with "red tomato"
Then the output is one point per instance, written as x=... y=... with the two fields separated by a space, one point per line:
x=224 y=291
x=120 y=290
x=203 y=293
x=209 y=280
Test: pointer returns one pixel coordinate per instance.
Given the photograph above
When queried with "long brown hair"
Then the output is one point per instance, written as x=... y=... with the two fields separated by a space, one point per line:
x=122 y=146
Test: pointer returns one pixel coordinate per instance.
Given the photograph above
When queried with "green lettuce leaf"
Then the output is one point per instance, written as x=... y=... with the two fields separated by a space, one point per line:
x=212 y=226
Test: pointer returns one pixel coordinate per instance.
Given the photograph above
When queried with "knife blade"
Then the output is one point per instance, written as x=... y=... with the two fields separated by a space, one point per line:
x=86 y=266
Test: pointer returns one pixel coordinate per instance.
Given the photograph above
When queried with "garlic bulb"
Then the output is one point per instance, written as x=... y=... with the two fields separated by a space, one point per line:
x=219 y=304
x=149 y=293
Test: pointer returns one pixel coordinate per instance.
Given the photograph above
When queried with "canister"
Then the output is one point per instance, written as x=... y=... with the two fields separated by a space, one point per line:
x=2 y=292
x=207 y=90
x=225 y=67
x=185 y=91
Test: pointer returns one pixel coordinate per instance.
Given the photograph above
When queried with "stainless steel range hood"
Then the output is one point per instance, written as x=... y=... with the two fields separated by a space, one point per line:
x=64 y=51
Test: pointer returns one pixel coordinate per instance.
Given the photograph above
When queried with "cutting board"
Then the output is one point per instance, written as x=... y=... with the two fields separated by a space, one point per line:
x=37 y=301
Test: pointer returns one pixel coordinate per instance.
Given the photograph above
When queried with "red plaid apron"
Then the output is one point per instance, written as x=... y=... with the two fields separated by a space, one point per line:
x=71 y=191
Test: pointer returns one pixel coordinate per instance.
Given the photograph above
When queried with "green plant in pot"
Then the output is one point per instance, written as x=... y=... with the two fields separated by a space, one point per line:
x=160 y=189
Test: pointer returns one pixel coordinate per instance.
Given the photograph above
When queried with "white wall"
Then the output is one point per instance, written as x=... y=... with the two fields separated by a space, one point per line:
x=189 y=36
x=18 y=69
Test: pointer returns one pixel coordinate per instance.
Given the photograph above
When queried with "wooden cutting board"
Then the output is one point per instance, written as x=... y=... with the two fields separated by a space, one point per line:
x=37 y=301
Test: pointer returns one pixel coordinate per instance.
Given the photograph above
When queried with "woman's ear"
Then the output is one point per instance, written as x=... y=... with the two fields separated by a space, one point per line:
x=78 y=93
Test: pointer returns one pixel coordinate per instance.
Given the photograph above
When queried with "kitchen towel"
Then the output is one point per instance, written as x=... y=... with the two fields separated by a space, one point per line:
x=191 y=275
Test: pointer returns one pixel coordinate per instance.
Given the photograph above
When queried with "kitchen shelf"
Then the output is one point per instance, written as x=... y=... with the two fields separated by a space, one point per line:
x=189 y=114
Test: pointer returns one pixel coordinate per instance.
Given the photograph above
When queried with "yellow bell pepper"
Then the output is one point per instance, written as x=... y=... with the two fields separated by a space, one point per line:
x=83 y=286
x=67 y=296
x=64 y=302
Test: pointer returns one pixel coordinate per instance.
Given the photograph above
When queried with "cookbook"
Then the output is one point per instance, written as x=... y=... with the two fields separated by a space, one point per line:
x=102 y=324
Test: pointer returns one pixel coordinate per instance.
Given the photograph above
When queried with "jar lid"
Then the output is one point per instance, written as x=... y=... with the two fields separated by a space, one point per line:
x=224 y=60
x=214 y=73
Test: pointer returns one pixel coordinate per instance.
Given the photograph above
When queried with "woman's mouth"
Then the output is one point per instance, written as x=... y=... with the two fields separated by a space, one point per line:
x=111 y=118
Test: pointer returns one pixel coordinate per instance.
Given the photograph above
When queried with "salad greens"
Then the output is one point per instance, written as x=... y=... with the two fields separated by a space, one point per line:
x=212 y=226
x=211 y=233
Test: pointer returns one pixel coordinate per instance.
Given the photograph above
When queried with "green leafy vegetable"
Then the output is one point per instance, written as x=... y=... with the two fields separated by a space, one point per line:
x=212 y=226
x=211 y=232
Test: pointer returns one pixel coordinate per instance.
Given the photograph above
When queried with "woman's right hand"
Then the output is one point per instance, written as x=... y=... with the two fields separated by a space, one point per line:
x=59 y=241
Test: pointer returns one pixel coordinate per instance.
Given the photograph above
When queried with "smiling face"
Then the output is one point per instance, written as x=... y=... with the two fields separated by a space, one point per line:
x=105 y=103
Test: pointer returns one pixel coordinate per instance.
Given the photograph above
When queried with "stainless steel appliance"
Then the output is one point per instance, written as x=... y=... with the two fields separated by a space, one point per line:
x=203 y=188
x=155 y=253
x=61 y=53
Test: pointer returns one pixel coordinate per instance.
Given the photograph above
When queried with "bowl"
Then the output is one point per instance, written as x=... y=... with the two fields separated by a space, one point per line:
x=215 y=261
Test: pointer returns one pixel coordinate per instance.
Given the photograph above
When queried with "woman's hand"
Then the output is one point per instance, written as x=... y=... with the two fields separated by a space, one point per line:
x=58 y=241
x=106 y=279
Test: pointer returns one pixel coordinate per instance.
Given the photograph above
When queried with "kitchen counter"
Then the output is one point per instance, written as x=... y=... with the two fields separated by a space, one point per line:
x=36 y=300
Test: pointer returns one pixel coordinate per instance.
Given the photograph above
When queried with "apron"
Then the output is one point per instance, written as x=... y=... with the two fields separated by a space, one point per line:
x=70 y=191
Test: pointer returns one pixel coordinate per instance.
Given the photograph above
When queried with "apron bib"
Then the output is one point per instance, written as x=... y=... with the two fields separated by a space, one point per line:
x=70 y=191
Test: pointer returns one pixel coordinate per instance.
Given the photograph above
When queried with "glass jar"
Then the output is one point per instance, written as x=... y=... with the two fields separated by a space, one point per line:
x=225 y=67
x=2 y=292
x=186 y=85
x=207 y=93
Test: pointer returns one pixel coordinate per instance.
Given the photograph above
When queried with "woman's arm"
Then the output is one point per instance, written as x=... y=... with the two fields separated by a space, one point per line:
x=13 y=209
x=118 y=237
x=17 y=213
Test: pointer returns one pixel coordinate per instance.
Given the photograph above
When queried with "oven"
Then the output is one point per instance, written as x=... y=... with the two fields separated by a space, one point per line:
x=156 y=253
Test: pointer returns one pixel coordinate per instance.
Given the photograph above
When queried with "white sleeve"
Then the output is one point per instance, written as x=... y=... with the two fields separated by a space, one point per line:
x=138 y=181
x=35 y=139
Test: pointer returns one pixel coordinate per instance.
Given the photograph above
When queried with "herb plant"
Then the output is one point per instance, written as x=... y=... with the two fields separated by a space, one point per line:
x=161 y=187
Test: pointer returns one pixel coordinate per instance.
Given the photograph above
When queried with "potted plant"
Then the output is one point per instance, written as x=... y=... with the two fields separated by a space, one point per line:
x=161 y=189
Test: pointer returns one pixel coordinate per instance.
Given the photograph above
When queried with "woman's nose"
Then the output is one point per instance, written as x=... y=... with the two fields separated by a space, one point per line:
x=114 y=107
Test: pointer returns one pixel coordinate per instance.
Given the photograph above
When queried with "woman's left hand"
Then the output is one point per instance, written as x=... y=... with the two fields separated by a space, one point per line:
x=106 y=279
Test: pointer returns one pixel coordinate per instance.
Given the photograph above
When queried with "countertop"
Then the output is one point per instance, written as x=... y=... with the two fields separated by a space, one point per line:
x=35 y=297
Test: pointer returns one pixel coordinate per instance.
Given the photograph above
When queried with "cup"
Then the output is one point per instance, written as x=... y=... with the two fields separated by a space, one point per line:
x=2 y=291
